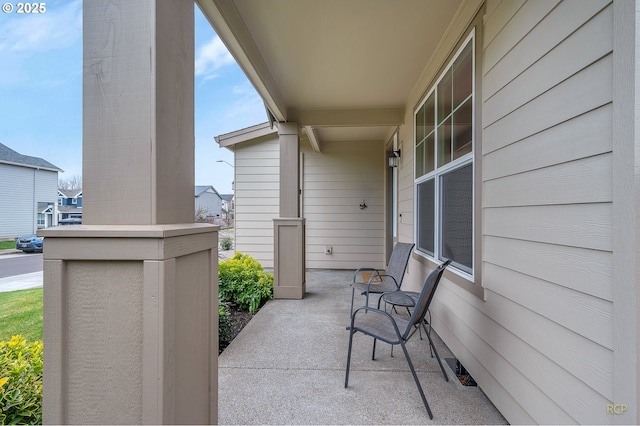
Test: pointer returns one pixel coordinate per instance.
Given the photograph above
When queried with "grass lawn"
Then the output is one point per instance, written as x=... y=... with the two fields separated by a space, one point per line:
x=7 y=245
x=21 y=313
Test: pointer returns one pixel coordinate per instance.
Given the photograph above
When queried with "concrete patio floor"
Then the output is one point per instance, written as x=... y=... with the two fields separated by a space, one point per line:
x=287 y=366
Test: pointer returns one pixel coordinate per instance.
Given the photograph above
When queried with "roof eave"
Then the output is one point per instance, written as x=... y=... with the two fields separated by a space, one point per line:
x=31 y=166
x=230 y=27
x=244 y=135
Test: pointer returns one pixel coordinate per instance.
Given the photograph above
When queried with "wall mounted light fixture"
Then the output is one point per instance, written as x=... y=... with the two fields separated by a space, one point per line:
x=393 y=159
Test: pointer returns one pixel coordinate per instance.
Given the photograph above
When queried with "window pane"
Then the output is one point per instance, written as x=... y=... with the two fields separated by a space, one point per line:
x=426 y=216
x=444 y=97
x=429 y=114
x=420 y=159
x=462 y=76
x=430 y=156
x=420 y=125
x=462 y=129
x=457 y=217
x=444 y=143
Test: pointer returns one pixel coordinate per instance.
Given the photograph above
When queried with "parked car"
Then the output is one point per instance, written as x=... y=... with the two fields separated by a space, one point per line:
x=30 y=243
x=70 y=221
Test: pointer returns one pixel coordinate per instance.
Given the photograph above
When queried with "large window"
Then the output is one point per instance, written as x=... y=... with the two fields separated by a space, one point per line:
x=444 y=132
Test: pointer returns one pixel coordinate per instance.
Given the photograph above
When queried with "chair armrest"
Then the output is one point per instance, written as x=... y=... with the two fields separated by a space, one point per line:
x=359 y=270
x=380 y=276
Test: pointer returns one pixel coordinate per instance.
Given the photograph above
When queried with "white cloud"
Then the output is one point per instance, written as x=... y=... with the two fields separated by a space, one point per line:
x=211 y=57
x=57 y=28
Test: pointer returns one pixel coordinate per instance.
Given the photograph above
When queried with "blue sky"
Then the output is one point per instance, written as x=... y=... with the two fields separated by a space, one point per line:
x=41 y=92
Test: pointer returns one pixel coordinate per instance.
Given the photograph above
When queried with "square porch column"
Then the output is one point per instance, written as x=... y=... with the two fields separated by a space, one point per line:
x=289 y=228
x=130 y=296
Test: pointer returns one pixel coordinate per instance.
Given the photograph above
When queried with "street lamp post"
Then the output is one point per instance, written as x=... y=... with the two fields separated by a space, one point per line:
x=224 y=161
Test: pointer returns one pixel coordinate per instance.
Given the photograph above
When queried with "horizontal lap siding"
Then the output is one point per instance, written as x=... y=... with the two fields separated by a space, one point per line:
x=541 y=343
x=46 y=186
x=17 y=209
x=257 y=200
x=336 y=181
x=405 y=192
x=547 y=212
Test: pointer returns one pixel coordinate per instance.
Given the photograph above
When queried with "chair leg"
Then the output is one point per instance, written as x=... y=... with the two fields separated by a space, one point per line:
x=346 y=377
x=353 y=293
x=424 y=325
x=415 y=378
x=433 y=347
x=373 y=352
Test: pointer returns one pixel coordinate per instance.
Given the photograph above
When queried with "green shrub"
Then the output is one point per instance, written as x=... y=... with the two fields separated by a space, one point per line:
x=226 y=244
x=225 y=329
x=243 y=281
x=20 y=381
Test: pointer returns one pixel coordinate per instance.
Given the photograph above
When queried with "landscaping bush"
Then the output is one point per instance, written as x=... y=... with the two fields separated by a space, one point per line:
x=225 y=329
x=226 y=244
x=20 y=381
x=242 y=281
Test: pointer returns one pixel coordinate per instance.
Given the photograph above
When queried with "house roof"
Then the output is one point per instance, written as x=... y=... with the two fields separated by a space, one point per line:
x=246 y=134
x=226 y=197
x=348 y=73
x=9 y=156
x=70 y=193
x=199 y=189
x=43 y=206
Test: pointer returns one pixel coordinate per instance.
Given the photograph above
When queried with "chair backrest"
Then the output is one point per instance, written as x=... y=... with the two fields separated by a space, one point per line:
x=399 y=260
x=424 y=300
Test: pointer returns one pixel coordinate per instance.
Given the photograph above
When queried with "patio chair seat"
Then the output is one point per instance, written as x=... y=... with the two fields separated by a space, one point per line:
x=378 y=326
x=402 y=298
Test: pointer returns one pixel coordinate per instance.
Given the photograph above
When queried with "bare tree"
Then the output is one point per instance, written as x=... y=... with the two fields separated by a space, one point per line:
x=203 y=215
x=71 y=183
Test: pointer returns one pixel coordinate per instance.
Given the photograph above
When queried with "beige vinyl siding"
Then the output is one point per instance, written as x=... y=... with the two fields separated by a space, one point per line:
x=405 y=192
x=541 y=344
x=257 y=197
x=335 y=183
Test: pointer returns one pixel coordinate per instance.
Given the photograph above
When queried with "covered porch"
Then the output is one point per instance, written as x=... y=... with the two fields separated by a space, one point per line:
x=287 y=366
x=541 y=306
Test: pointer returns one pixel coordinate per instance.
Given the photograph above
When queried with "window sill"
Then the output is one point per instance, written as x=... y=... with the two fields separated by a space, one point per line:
x=466 y=284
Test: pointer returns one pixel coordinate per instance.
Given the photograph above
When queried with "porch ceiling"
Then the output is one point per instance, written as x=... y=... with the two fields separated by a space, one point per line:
x=345 y=68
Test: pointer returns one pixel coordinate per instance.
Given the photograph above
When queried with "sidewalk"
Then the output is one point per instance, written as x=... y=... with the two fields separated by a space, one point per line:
x=9 y=251
x=21 y=282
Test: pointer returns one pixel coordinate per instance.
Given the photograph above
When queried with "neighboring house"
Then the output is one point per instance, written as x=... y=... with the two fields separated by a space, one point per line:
x=69 y=203
x=28 y=192
x=46 y=215
x=228 y=205
x=208 y=202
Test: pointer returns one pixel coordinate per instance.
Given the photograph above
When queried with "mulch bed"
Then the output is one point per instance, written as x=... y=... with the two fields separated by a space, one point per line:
x=239 y=319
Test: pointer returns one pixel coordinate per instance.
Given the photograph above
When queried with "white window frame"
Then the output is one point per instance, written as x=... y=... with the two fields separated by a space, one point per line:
x=452 y=165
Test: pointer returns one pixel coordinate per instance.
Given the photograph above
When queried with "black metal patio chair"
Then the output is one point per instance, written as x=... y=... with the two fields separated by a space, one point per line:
x=380 y=281
x=394 y=329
